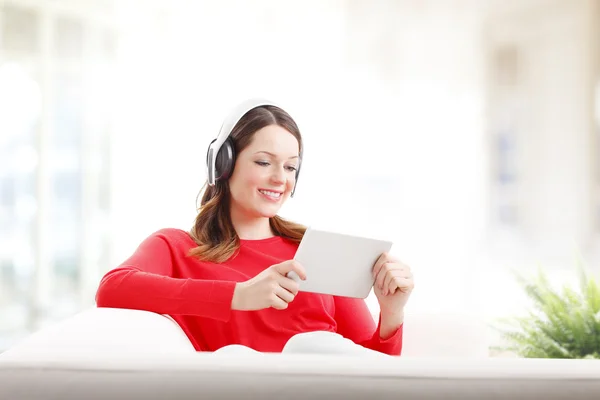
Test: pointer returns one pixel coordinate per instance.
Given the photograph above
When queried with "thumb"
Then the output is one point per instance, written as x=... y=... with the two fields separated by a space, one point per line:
x=291 y=266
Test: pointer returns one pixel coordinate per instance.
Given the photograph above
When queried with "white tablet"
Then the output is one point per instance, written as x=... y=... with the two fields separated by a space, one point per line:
x=338 y=264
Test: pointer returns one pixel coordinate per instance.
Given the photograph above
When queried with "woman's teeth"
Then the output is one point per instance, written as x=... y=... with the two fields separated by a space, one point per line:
x=274 y=195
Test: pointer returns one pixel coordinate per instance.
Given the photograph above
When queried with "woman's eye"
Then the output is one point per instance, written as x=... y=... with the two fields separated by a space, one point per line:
x=262 y=163
x=291 y=168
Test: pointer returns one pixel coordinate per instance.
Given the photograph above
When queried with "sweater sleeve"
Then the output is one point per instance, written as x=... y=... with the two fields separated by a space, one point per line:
x=145 y=282
x=354 y=321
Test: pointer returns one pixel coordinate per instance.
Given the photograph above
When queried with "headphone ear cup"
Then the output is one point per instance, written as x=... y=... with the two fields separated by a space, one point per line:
x=225 y=160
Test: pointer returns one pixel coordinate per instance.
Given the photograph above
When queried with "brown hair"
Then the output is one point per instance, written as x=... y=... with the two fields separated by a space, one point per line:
x=213 y=230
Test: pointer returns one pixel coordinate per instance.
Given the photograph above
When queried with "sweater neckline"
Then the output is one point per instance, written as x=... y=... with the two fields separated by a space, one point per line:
x=268 y=240
x=260 y=241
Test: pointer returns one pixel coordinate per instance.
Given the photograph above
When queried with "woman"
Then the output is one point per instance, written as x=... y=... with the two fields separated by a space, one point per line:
x=225 y=282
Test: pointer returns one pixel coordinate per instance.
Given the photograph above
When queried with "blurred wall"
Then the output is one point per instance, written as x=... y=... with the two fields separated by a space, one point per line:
x=462 y=130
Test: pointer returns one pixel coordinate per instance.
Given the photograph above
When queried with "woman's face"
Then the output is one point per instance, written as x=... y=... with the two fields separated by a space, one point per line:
x=264 y=173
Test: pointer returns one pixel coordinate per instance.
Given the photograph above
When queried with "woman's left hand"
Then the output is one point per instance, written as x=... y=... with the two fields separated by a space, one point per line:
x=393 y=284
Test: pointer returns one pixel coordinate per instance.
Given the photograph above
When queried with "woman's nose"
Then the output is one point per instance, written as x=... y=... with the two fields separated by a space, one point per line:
x=278 y=176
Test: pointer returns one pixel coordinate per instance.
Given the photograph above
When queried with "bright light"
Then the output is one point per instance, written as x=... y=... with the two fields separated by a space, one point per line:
x=20 y=101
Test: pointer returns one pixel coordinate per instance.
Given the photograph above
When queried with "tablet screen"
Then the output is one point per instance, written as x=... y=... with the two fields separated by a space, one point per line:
x=338 y=264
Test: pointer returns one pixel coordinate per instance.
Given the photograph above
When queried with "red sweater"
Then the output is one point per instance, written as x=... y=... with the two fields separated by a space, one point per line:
x=160 y=277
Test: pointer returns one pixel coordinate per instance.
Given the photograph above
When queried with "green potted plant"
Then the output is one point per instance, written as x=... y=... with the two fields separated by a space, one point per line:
x=560 y=324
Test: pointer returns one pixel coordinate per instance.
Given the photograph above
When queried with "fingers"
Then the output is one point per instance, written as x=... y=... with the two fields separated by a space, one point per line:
x=379 y=263
x=291 y=266
x=284 y=294
x=283 y=289
x=289 y=284
x=389 y=285
x=404 y=284
x=380 y=277
x=278 y=304
x=390 y=275
x=397 y=281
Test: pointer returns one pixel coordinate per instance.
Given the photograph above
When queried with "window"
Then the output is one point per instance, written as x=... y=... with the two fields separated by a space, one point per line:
x=54 y=161
x=505 y=134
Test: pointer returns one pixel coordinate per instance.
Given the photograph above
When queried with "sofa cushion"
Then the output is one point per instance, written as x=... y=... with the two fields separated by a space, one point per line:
x=106 y=329
x=187 y=375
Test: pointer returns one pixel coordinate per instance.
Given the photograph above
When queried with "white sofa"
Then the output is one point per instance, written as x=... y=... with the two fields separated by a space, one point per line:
x=126 y=354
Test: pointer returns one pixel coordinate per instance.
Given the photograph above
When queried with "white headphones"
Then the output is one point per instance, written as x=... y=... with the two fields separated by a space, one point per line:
x=220 y=157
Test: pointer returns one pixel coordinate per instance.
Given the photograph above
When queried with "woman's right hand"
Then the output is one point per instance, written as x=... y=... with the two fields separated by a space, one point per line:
x=270 y=288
